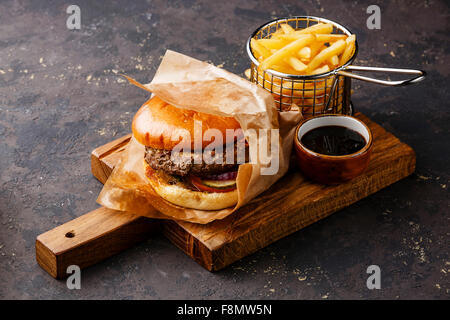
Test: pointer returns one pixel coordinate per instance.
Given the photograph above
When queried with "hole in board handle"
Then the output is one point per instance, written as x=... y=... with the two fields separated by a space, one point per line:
x=70 y=234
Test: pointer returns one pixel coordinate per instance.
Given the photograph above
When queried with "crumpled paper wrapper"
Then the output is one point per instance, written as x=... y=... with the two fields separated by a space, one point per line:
x=192 y=84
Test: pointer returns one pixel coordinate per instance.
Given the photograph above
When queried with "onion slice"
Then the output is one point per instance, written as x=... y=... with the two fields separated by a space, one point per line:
x=232 y=175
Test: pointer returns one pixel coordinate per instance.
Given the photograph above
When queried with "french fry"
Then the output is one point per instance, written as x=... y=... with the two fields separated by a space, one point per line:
x=260 y=51
x=283 y=68
x=289 y=50
x=330 y=37
x=349 y=49
x=287 y=28
x=305 y=53
x=290 y=36
x=334 y=60
x=277 y=33
x=296 y=64
x=335 y=49
x=320 y=37
x=273 y=43
x=320 y=70
x=316 y=47
x=317 y=28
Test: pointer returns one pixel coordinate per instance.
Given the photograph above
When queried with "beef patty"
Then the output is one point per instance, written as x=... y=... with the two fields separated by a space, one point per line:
x=160 y=159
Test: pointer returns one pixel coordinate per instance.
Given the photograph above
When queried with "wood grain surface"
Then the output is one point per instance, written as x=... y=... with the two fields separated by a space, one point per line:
x=90 y=238
x=291 y=204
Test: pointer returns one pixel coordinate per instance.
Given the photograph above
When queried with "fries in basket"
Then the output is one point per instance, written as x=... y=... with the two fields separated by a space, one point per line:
x=311 y=51
x=305 y=51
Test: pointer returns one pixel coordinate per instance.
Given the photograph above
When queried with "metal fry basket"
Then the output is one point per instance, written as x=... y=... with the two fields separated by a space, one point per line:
x=326 y=93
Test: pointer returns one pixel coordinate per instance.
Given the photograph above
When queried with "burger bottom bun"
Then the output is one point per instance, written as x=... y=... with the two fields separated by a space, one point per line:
x=179 y=195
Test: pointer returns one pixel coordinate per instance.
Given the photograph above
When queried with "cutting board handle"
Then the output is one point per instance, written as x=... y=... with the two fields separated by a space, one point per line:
x=90 y=238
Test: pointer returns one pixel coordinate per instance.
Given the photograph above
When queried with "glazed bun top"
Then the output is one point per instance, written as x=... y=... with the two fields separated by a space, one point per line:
x=160 y=125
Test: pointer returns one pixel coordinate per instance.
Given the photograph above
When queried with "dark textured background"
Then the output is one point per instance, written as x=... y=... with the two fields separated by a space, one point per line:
x=60 y=98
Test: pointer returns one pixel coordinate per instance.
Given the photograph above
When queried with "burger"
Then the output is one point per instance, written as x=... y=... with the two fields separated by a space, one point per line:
x=185 y=177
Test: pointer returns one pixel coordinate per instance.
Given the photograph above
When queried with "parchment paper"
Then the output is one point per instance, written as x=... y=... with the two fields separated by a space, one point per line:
x=192 y=84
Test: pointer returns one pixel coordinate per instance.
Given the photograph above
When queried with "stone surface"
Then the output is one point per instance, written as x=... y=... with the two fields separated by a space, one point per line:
x=60 y=97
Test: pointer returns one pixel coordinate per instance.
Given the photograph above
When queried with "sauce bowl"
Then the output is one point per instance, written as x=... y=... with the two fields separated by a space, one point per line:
x=330 y=169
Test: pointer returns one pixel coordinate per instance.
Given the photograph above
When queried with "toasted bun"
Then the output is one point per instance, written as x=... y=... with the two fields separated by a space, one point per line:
x=177 y=194
x=160 y=125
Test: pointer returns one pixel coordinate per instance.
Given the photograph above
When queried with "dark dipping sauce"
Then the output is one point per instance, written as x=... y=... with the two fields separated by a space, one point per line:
x=333 y=140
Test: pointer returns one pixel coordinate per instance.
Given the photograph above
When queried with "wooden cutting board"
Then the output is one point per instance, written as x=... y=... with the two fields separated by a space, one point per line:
x=288 y=206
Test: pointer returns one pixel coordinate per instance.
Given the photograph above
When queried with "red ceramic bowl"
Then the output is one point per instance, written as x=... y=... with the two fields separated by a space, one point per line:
x=328 y=169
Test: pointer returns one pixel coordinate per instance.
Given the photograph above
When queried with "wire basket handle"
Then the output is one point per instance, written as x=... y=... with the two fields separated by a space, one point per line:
x=420 y=75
